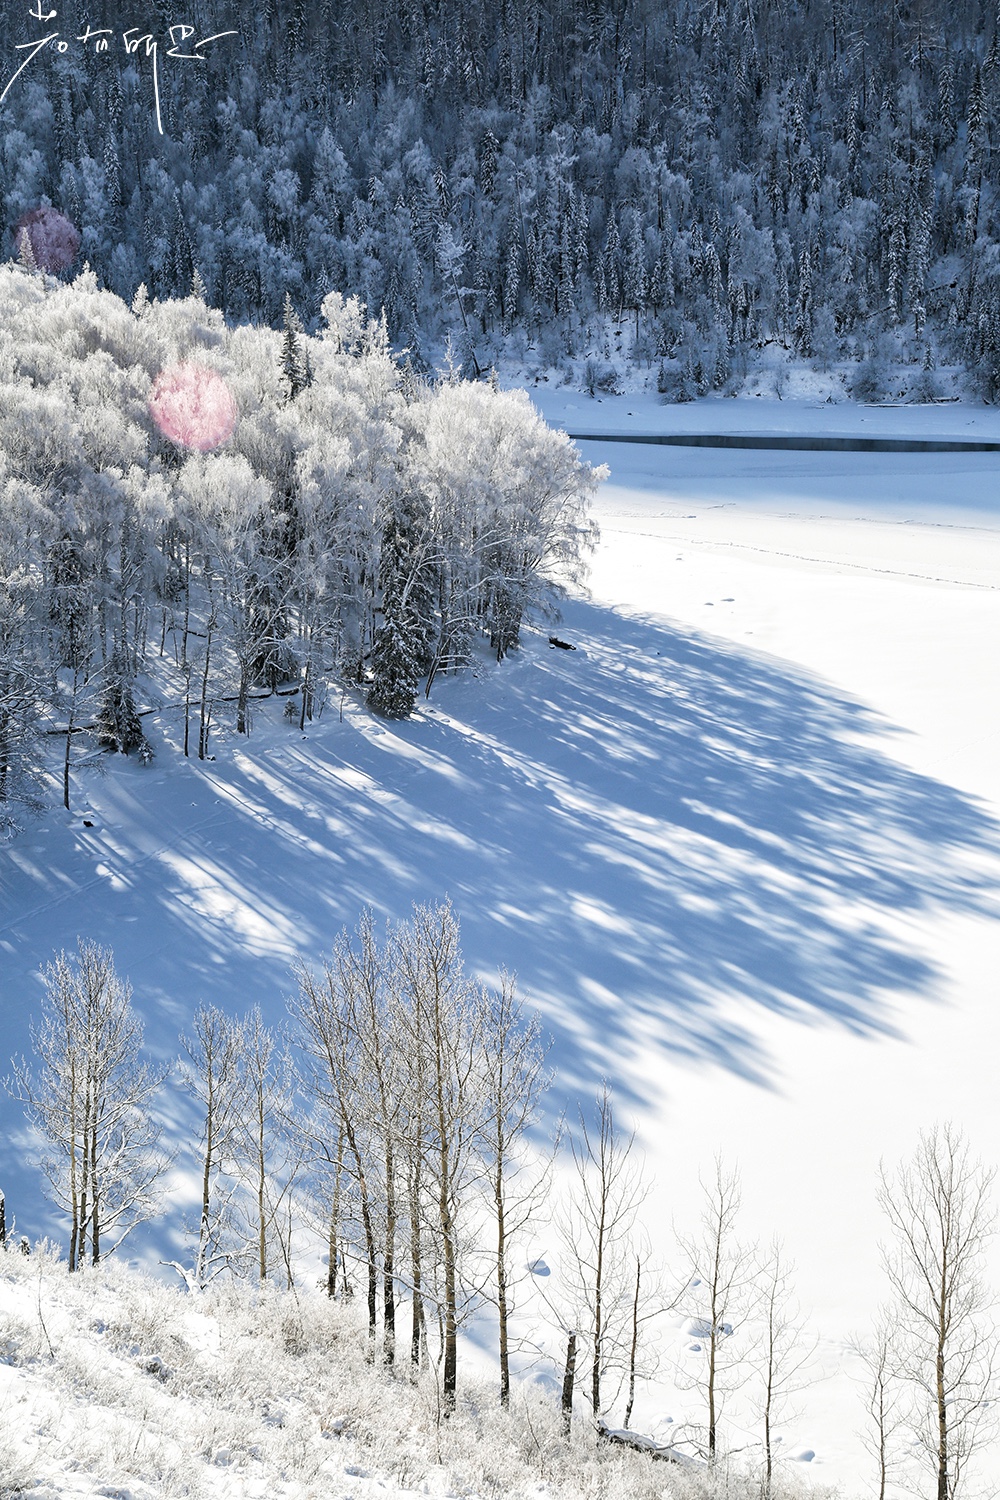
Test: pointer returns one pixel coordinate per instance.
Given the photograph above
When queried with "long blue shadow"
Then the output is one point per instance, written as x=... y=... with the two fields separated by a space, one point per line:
x=667 y=837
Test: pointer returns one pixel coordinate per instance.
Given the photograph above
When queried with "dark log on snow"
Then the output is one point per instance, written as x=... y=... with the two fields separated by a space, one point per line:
x=639 y=1443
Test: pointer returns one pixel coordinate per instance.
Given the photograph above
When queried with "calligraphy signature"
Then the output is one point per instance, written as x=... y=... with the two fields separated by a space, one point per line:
x=179 y=34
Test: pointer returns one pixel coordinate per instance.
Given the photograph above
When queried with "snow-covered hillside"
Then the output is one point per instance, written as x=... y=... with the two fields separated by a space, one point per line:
x=741 y=847
x=113 y=1385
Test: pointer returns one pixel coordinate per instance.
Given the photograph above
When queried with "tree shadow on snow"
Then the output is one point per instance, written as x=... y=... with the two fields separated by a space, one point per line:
x=687 y=833
x=664 y=835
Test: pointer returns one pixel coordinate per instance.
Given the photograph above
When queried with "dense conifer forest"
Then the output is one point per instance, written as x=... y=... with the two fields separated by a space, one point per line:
x=675 y=186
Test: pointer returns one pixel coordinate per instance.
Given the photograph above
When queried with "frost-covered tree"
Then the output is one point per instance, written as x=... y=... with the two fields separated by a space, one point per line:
x=88 y=1093
x=164 y=496
x=444 y=1028
x=423 y=1083
x=213 y=1077
x=20 y=747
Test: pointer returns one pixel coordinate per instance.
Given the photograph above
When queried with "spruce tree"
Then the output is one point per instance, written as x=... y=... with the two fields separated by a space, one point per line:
x=295 y=364
x=118 y=724
x=393 y=690
x=414 y=543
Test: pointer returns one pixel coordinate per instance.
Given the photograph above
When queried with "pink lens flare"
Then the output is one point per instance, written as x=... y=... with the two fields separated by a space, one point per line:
x=53 y=239
x=193 y=406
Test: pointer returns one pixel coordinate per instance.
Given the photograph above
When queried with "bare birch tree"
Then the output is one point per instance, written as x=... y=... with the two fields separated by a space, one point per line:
x=883 y=1393
x=412 y=1133
x=939 y=1208
x=514 y=1077
x=265 y=1153
x=721 y=1290
x=445 y=1027
x=328 y=1033
x=88 y=1095
x=363 y=969
x=782 y=1354
x=212 y=1075
x=597 y=1227
x=649 y=1300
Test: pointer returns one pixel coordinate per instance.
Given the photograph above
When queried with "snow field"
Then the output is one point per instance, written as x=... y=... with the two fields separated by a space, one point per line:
x=878 y=577
x=740 y=846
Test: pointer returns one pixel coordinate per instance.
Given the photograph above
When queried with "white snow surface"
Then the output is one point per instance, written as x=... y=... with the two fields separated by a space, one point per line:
x=741 y=846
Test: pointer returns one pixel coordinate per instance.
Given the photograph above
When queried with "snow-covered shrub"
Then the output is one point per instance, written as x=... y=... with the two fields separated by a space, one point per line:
x=869 y=378
x=152 y=1391
x=599 y=375
x=17 y=1456
x=673 y=382
x=21 y=1340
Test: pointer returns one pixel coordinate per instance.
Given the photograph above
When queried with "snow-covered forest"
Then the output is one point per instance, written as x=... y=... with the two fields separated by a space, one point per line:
x=549 y=1072
x=672 y=185
x=358 y=521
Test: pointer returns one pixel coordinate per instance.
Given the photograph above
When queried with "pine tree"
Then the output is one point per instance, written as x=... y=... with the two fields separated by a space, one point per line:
x=804 y=305
x=661 y=290
x=895 y=255
x=634 y=281
x=489 y=151
x=418 y=576
x=25 y=252
x=713 y=278
x=946 y=103
x=612 y=258
x=920 y=237
x=182 y=258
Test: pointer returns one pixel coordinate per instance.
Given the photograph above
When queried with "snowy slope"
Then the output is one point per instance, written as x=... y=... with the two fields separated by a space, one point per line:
x=740 y=846
x=115 y=1386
